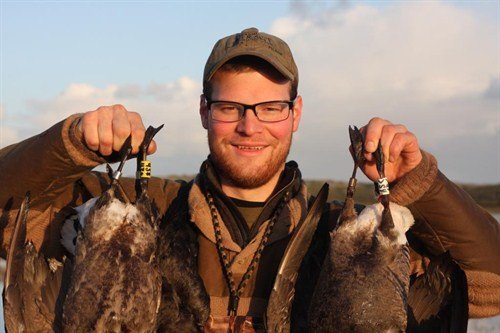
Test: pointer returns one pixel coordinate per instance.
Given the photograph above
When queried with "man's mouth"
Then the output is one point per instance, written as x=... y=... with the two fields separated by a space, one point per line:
x=250 y=148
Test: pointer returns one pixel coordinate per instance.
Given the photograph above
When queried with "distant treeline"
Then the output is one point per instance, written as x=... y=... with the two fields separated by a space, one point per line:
x=488 y=196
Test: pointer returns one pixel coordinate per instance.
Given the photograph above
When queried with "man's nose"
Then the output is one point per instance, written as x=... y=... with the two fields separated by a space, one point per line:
x=249 y=124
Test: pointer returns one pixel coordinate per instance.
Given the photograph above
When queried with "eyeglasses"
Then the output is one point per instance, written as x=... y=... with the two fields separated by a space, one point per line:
x=268 y=112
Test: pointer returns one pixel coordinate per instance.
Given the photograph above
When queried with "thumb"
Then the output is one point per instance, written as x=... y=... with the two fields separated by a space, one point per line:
x=152 y=147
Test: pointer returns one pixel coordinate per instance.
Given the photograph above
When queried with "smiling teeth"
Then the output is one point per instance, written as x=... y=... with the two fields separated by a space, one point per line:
x=249 y=148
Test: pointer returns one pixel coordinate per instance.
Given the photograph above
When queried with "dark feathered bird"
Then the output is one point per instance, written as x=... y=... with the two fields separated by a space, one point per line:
x=116 y=282
x=132 y=274
x=115 y=286
x=363 y=284
x=32 y=296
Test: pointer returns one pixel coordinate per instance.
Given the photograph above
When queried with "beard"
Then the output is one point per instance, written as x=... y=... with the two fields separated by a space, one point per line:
x=248 y=176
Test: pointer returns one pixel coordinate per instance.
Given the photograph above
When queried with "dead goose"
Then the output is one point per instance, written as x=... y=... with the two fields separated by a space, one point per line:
x=364 y=281
x=185 y=304
x=32 y=296
x=116 y=283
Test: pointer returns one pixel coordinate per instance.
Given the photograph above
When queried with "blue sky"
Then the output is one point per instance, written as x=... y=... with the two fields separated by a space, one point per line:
x=47 y=45
x=432 y=65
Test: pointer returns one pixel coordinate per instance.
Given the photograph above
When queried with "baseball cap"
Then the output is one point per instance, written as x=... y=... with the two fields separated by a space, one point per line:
x=251 y=42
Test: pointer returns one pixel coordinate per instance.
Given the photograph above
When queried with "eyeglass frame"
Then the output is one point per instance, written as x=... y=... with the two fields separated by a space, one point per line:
x=291 y=105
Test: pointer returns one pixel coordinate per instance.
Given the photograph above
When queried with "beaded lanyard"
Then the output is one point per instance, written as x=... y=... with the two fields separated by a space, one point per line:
x=235 y=293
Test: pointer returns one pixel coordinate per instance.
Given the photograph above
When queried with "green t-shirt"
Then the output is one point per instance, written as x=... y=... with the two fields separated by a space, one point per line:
x=250 y=210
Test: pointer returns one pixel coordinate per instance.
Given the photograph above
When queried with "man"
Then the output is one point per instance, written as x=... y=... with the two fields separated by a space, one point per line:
x=246 y=201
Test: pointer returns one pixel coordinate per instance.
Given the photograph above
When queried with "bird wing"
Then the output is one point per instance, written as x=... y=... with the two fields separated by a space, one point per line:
x=280 y=300
x=12 y=298
x=32 y=286
x=15 y=259
x=11 y=310
x=442 y=285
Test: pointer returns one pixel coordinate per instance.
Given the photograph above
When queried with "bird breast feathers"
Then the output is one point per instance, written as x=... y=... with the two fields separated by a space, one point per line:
x=369 y=220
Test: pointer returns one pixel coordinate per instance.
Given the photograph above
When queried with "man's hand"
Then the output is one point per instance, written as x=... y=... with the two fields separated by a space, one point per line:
x=400 y=147
x=106 y=129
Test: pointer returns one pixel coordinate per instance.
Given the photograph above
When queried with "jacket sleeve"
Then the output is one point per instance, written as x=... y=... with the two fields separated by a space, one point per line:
x=47 y=165
x=55 y=167
x=448 y=219
x=44 y=163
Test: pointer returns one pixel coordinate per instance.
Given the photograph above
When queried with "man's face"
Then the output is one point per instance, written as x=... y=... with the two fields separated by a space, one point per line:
x=249 y=153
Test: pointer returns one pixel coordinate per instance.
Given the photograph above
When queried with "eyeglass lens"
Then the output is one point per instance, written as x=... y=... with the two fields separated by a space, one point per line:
x=267 y=112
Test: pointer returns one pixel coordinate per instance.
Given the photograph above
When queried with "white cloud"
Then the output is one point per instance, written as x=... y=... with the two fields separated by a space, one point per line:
x=8 y=136
x=431 y=51
x=8 y=133
x=175 y=104
x=432 y=66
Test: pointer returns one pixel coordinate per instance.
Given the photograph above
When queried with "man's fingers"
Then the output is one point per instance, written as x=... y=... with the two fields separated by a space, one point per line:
x=383 y=131
x=137 y=130
x=105 y=131
x=88 y=124
x=372 y=133
x=107 y=128
x=121 y=131
x=400 y=148
x=403 y=142
x=152 y=147
x=387 y=136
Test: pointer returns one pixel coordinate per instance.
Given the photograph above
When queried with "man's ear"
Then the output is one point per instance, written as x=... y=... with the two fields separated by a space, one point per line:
x=203 y=111
x=297 y=113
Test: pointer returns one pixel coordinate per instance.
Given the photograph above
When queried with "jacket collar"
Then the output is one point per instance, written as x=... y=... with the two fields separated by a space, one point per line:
x=200 y=214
